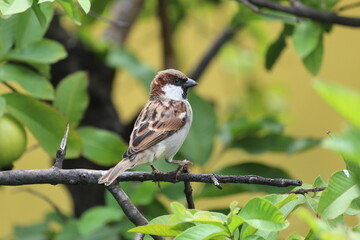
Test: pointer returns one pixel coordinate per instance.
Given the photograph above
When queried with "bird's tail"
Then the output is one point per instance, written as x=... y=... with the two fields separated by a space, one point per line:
x=114 y=172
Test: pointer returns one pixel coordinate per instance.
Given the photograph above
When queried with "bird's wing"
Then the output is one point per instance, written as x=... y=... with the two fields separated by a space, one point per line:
x=157 y=121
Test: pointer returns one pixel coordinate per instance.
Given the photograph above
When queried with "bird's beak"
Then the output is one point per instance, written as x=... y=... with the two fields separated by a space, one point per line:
x=190 y=83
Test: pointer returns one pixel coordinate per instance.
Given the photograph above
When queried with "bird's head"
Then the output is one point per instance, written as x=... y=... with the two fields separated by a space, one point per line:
x=172 y=84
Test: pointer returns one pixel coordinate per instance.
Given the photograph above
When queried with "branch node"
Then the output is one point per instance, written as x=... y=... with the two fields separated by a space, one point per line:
x=216 y=182
x=61 y=152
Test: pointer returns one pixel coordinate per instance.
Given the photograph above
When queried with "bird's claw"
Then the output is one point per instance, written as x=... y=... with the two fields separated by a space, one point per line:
x=183 y=168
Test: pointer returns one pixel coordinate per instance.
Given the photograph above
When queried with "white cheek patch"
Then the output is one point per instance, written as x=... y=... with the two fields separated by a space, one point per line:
x=173 y=92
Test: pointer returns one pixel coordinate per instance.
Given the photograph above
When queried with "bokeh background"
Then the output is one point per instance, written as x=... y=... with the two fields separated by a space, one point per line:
x=287 y=88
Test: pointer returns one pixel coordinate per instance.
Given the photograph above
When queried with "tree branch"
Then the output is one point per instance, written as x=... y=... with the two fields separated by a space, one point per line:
x=169 y=58
x=225 y=36
x=188 y=194
x=123 y=15
x=301 y=10
x=133 y=214
x=265 y=14
x=86 y=176
x=307 y=190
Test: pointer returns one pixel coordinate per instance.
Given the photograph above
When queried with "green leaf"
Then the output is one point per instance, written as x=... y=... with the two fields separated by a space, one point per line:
x=319 y=182
x=235 y=130
x=107 y=232
x=198 y=145
x=166 y=230
x=69 y=231
x=275 y=143
x=313 y=60
x=344 y=101
x=2 y=105
x=32 y=82
x=28 y=28
x=338 y=196
x=164 y=219
x=71 y=10
x=292 y=205
x=7 y=27
x=348 y=145
x=254 y=237
x=42 y=51
x=85 y=5
x=208 y=218
x=280 y=200
x=201 y=232
x=263 y=215
x=232 y=130
x=306 y=37
x=40 y=15
x=45 y=123
x=312 y=202
x=96 y=218
x=236 y=221
x=180 y=212
x=101 y=146
x=354 y=208
x=71 y=96
x=275 y=49
x=295 y=236
x=32 y=232
x=170 y=190
x=18 y=6
x=248 y=168
x=121 y=58
x=142 y=194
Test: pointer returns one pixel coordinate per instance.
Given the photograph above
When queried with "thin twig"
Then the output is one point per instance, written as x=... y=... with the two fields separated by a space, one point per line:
x=114 y=22
x=348 y=6
x=88 y=176
x=32 y=147
x=223 y=38
x=133 y=214
x=61 y=152
x=188 y=190
x=255 y=9
x=45 y=198
x=9 y=86
x=130 y=210
x=307 y=190
x=307 y=12
x=188 y=194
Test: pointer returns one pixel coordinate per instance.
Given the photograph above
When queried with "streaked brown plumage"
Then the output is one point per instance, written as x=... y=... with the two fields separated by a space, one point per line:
x=162 y=125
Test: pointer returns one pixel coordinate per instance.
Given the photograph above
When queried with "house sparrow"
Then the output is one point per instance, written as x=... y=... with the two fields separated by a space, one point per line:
x=161 y=127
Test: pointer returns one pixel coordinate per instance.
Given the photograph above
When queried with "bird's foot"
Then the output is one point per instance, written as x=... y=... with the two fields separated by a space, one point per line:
x=154 y=170
x=183 y=167
x=154 y=173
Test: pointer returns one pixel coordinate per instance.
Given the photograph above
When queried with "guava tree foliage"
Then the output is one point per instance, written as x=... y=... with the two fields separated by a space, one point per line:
x=31 y=58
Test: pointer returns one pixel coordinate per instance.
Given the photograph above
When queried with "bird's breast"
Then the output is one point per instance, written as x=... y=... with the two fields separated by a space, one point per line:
x=171 y=145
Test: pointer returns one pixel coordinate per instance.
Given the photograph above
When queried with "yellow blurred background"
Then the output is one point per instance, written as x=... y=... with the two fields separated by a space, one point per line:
x=305 y=113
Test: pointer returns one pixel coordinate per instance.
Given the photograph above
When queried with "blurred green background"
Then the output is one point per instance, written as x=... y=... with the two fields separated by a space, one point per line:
x=286 y=89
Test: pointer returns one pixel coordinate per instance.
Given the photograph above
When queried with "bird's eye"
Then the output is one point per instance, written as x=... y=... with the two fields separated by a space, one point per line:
x=177 y=80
